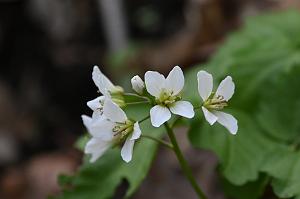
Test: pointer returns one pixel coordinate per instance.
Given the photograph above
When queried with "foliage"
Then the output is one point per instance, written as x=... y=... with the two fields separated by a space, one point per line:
x=264 y=61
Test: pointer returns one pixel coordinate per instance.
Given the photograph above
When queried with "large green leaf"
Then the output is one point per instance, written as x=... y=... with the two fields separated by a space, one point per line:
x=250 y=190
x=264 y=60
x=240 y=155
x=283 y=164
x=279 y=109
x=99 y=180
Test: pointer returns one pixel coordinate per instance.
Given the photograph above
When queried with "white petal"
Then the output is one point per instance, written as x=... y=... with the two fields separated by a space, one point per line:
x=96 y=147
x=183 y=108
x=209 y=116
x=113 y=112
x=127 y=149
x=154 y=82
x=227 y=121
x=101 y=81
x=136 y=131
x=175 y=80
x=205 y=84
x=102 y=129
x=98 y=114
x=87 y=121
x=95 y=103
x=226 y=88
x=159 y=115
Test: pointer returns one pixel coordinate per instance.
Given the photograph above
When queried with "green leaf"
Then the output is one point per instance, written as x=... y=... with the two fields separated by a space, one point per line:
x=240 y=155
x=264 y=60
x=100 y=179
x=279 y=110
x=251 y=190
x=283 y=164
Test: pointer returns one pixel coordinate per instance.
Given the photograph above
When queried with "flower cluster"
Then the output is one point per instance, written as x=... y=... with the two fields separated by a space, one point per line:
x=109 y=126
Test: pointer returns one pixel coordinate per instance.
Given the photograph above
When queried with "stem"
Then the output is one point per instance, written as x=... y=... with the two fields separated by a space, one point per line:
x=140 y=102
x=136 y=95
x=144 y=119
x=162 y=142
x=184 y=165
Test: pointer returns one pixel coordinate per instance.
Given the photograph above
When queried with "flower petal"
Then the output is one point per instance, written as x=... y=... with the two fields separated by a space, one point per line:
x=209 y=116
x=227 y=121
x=95 y=103
x=98 y=114
x=154 y=82
x=136 y=131
x=96 y=147
x=205 y=84
x=127 y=149
x=102 y=129
x=101 y=81
x=226 y=88
x=175 y=80
x=183 y=108
x=87 y=121
x=113 y=112
x=159 y=115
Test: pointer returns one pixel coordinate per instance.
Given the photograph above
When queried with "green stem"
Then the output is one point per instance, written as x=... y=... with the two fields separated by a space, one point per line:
x=144 y=119
x=136 y=95
x=184 y=165
x=162 y=142
x=140 y=102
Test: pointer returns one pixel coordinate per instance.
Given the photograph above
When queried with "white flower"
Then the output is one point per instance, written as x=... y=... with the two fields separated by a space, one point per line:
x=167 y=95
x=111 y=128
x=104 y=85
x=137 y=84
x=214 y=102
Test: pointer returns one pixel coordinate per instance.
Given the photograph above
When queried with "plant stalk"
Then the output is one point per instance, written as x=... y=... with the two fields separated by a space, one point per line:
x=183 y=163
x=134 y=103
x=162 y=142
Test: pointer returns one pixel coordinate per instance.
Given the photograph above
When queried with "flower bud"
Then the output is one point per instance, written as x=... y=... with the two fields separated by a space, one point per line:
x=137 y=84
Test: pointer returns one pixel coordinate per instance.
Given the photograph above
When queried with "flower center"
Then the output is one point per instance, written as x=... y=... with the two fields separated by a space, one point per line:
x=122 y=130
x=215 y=103
x=166 y=98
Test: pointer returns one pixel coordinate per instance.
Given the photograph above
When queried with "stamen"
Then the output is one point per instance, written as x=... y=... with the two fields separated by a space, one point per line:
x=167 y=98
x=123 y=129
x=220 y=97
x=215 y=103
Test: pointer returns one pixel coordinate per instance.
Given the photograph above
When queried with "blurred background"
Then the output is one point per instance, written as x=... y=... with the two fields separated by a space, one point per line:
x=47 y=51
